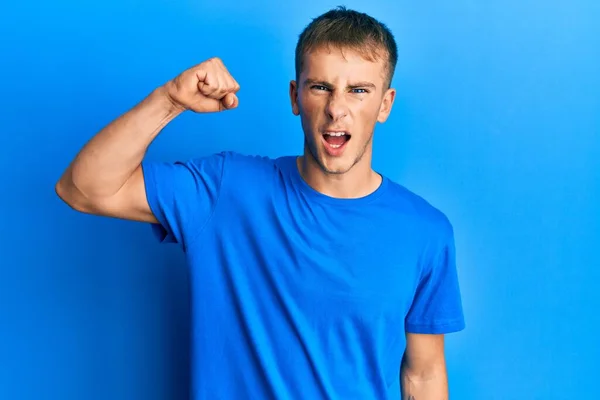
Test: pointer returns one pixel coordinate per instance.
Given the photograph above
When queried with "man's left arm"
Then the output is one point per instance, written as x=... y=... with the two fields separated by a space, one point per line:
x=436 y=310
x=423 y=373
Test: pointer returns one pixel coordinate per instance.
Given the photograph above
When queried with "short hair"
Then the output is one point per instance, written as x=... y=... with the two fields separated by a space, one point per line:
x=349 y=29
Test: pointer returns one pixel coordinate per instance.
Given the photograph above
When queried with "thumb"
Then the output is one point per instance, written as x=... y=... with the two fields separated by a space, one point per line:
x=230 y=101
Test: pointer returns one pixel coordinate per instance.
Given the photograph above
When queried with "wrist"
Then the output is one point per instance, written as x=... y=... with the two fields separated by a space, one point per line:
x=170 y=106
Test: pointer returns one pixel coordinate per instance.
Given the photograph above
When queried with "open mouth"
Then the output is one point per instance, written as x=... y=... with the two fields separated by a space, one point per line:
x=336 y=140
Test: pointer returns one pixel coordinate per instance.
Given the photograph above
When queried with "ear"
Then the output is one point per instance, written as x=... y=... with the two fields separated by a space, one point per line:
x=294 y=97
x=386 y=105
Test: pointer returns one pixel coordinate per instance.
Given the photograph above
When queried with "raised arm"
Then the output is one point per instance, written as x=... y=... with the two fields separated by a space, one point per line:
x=423 y=374
x=105 y=178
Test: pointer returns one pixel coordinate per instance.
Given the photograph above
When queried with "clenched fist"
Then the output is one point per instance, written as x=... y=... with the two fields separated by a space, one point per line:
x=204 y=88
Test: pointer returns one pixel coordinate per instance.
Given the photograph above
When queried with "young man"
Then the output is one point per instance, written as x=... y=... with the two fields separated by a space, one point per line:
x=313 y=276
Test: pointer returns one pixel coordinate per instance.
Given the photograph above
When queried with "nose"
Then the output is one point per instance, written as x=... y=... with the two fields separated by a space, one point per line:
x=336 y=106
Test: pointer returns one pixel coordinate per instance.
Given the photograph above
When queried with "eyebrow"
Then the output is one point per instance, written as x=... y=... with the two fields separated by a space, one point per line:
x=352 y=86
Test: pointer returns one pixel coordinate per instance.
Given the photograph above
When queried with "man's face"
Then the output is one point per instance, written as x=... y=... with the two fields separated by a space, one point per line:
x=340 y=97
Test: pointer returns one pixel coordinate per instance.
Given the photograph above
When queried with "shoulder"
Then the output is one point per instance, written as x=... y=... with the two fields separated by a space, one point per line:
x=249 y=166
x=240 y=161
x=426 y=217
x=232 y=163
x=244 y=174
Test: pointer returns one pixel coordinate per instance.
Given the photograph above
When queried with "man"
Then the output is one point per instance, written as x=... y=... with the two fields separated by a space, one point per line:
x=313 y=276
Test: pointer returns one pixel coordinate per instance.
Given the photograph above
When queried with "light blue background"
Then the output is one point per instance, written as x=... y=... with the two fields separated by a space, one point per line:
x=497 y=122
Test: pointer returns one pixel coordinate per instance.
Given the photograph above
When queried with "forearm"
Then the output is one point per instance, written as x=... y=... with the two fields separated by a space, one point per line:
x=427 y=384
x=106 y=162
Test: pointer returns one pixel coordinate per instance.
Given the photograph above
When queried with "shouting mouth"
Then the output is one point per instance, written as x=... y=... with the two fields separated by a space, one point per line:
x=335 y=142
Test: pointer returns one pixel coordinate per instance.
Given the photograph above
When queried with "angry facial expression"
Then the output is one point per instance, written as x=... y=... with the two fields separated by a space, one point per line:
x=340 y=96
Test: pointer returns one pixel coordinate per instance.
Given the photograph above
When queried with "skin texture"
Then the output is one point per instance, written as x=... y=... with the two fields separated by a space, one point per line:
x=423 y=372
x=340 y=90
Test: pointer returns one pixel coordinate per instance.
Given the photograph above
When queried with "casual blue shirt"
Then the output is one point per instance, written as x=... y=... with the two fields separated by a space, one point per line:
x=295 y=294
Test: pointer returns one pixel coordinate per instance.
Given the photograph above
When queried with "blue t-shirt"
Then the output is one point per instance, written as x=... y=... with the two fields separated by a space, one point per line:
x=295 y=294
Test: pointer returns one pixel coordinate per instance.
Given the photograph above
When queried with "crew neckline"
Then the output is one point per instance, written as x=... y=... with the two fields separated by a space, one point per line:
x=290 y=163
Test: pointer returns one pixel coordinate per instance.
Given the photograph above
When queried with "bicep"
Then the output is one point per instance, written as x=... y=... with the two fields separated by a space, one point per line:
x=177 y=197
x=130 y=202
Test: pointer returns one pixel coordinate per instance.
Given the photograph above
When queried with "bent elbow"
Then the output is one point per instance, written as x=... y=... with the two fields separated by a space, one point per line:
x=71 y=196
x=60 y=191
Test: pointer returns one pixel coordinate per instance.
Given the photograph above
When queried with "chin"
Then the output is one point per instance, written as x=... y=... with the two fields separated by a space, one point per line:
x=336 y=166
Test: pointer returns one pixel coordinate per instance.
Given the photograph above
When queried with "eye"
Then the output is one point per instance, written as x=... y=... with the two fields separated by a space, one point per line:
x=319 y=87
x=360 y=90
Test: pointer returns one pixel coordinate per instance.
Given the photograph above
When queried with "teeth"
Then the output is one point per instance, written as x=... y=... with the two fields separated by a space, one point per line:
x=336 y=133
x=335 y=146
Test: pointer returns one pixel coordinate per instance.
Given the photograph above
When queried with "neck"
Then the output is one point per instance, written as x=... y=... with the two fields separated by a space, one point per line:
x=361 y=180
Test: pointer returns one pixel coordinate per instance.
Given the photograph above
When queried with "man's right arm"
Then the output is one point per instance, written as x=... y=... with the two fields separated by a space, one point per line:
x=106 y=177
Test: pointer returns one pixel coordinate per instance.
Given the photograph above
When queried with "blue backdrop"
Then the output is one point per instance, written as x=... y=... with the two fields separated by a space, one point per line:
x=496 y=123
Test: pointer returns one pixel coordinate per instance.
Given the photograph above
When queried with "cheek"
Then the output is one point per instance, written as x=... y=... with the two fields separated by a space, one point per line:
x=310 y=108
x=366 y=111
x=309 y=116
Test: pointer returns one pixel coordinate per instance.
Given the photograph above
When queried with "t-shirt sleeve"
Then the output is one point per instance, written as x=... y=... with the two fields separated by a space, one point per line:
x=182 y=195
x=437 y=305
